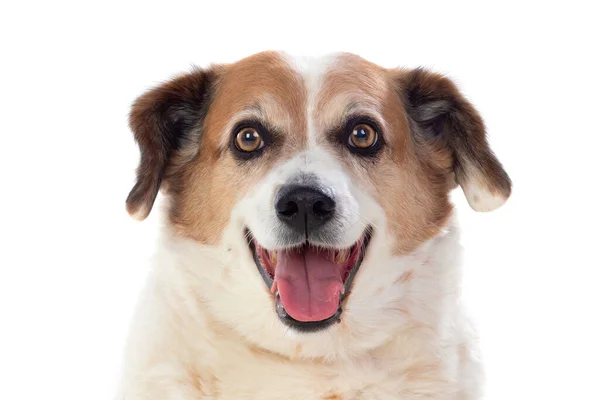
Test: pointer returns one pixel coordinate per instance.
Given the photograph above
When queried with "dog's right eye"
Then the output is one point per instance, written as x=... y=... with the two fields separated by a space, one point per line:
x=362 y=136
x=248 y=140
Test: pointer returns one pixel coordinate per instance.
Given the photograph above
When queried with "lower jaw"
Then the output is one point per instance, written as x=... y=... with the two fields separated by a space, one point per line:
x=306 y=326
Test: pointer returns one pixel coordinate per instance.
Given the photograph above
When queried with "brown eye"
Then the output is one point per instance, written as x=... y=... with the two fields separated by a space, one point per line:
x=248 y=140
x=363 y=136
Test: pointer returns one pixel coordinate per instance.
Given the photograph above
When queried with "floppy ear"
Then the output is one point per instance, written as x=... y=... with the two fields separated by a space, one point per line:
x=160 y=120
x=440 y=114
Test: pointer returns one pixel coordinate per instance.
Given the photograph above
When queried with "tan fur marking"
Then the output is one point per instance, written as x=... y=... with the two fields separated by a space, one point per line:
x=405 y=277
x=298 y=350
x=333 y=396
x=416 y=207
x=423 y=375
x=214 y=181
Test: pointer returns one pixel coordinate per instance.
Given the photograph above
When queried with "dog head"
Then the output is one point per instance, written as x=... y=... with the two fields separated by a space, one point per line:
x=306 y=179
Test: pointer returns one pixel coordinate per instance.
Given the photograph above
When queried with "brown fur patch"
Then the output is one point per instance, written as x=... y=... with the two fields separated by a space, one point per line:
x=416 y=170
x=414 y=198
x=433 y=138
x=406 y=277
x=446 y=122
x=204 y=381
x=159 y=120
x=205 y=189
x=333 y=396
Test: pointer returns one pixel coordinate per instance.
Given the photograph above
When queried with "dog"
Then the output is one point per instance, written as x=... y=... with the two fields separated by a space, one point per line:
x=309 y=249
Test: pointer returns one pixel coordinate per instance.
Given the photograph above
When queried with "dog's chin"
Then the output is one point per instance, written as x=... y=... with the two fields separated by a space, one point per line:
x=309 y=282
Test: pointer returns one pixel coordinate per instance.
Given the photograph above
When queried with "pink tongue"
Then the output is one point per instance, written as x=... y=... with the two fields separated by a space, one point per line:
x=309 y=284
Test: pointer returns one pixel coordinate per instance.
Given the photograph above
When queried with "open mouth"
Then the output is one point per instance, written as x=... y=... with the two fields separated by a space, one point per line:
x=309 y=282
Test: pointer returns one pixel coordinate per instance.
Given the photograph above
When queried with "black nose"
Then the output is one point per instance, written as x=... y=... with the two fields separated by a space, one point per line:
x=304 y=208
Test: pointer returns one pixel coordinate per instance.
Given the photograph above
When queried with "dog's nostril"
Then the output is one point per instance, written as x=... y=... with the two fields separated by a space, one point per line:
x=289 y=209
x=322 y=209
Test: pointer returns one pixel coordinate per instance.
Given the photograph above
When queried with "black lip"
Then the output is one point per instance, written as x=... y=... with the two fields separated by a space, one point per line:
x=309 y=326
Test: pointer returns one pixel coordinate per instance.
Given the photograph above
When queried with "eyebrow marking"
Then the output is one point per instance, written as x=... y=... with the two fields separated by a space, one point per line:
x=336 y=129
x=357 y=107
x=252 y=112
x=252 y=115
x=352 y=111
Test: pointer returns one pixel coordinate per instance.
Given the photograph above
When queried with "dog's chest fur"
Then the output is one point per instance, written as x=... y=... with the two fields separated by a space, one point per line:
x=240 y=372
x=186 y=344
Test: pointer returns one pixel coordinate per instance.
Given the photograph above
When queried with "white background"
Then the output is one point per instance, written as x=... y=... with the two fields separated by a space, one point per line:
x=72 y=261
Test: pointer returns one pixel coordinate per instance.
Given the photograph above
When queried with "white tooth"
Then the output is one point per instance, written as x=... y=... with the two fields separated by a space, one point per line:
x=273 y=257
x=341 y=256
x=331 y=255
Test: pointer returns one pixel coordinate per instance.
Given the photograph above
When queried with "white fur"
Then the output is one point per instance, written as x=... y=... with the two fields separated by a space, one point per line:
x=206 y=326
x=206 y=311
x=479 y=197
x=265 y=225
x=141 y=213
x=312 y=70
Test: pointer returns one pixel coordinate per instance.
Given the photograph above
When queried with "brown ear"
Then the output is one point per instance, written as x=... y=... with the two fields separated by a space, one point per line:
x=439 y=113
x=161 y=119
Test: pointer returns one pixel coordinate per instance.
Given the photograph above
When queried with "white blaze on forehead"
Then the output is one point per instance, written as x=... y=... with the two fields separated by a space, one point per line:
x=312 y=70
x=355 y=209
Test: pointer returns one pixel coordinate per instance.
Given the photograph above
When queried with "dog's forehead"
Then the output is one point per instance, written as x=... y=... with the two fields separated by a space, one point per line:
x=298 y=95
x=347 y=84
x=262 y=86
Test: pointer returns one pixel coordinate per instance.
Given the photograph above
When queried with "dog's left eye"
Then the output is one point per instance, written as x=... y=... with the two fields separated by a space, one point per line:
x=362 y=136
x=248 y=140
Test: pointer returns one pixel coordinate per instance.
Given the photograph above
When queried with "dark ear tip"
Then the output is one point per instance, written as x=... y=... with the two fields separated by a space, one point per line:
x=507 y=184
x=500 y=178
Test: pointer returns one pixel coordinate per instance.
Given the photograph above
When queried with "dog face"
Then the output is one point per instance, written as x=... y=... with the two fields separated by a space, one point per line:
x=313 y=175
